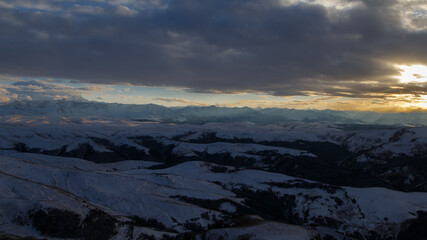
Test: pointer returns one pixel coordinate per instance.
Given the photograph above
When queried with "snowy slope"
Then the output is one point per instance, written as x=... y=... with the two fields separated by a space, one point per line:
x=230 y=180
x=406 y=140
x=124 y=189
x=392 y=157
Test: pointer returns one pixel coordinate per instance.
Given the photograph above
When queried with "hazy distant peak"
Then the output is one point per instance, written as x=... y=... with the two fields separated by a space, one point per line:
x=200 y=115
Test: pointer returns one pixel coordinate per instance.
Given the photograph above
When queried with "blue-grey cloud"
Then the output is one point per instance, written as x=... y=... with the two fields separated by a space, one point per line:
x=282 y=47
x=42 y=90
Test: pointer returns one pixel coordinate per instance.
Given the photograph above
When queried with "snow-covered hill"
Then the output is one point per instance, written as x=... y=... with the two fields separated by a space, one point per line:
x=190 y=197
x=65 y=177
x=385 y=157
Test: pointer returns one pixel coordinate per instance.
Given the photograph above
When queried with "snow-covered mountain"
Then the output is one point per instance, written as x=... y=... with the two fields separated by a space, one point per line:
x=86 y=109
x=192 y=198
x=64 y=177
x=201 y=115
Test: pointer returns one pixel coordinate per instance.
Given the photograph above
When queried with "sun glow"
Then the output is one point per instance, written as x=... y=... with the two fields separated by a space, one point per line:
x=411 y=102
x=413 y=73
x=422 y=103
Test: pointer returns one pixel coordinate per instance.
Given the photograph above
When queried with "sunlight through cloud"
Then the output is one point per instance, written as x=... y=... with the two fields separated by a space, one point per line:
x=413 y=73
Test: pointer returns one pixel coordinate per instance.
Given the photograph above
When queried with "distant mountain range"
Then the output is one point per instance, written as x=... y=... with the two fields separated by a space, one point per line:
x=201 y=115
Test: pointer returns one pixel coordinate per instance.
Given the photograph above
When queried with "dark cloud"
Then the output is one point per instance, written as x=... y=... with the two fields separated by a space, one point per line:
x=215 y=45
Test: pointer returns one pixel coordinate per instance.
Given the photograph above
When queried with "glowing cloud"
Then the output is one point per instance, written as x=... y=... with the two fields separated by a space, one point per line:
x=413 y=73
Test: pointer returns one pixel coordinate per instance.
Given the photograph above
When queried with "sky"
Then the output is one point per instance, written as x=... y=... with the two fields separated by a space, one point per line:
x=363 y=55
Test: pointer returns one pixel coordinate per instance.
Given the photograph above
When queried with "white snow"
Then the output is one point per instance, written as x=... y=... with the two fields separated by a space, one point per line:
x=131 y=188
x=263 y=231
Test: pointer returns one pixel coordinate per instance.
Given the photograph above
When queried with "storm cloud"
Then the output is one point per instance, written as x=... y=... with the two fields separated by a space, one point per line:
x=336 y=47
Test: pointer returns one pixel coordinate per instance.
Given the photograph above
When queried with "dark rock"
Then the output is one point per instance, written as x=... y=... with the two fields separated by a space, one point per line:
x=56 y=223
x=414 y=229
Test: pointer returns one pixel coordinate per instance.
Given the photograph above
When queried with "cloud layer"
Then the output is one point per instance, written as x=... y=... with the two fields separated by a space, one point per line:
x=335 y=47
x=44 y=90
